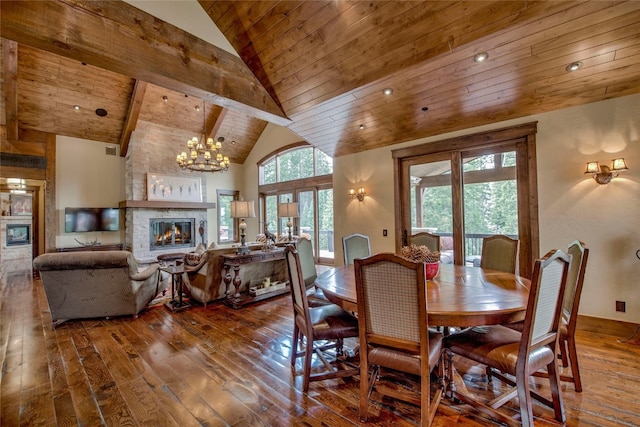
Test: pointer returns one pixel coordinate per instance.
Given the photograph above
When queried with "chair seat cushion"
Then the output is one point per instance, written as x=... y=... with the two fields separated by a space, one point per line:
x=331 y=322
x=496 y=346
x=404 y=361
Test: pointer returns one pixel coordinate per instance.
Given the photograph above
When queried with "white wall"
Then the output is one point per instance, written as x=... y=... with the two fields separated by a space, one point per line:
x=87 y=177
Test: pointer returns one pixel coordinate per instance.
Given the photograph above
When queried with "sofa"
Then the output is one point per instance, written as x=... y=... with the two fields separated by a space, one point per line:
x=204 y=273
x=91 y=284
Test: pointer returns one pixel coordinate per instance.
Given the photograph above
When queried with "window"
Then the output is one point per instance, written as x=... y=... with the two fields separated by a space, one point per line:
x=302 y=174
x=227 y=226
x=294 y=164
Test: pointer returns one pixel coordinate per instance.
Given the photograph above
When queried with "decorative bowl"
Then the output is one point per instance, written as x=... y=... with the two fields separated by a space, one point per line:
x=431 y=269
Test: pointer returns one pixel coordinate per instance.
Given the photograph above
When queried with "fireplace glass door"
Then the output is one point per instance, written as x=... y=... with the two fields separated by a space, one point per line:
x=171 y=233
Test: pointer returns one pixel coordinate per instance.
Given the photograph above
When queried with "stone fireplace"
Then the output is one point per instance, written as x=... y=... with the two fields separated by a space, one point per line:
x=176 y=224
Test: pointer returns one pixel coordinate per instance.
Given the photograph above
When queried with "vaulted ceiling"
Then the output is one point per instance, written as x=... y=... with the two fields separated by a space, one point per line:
x=316 y=67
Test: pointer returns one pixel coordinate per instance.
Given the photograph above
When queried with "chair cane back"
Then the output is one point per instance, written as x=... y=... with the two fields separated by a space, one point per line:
x=432 y=241
x=355 y=246
x=520 y=355
x=394 y=333
x=499 y=253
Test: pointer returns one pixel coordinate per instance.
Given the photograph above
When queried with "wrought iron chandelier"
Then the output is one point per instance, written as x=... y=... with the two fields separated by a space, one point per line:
x=204 y=154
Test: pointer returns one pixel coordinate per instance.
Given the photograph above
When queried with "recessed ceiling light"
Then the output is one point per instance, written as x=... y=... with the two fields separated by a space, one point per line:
x=481 y=57
x=197 y=107
x=101 y=112
x=574 y=66
x=387 y=91
x=76 y=107
x=425 y=108
x=361 y=127
x=165 y=98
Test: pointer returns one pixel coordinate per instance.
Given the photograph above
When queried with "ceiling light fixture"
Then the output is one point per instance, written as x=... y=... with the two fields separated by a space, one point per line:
x=204 y=155
x=387 y=91
x=165 y=98
x=361 y=127
x=574 y=66
x=481 y=57
x=76 y=107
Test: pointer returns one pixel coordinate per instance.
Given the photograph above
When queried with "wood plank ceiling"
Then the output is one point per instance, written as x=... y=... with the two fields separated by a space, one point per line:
x=317 y=67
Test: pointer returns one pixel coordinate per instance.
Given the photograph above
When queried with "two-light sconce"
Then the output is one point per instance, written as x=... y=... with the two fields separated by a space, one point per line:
x=603 y=174
x=359 y=194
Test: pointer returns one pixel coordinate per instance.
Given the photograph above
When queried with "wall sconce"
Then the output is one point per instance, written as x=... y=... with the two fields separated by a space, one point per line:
x=360 y=194
x=603 y=174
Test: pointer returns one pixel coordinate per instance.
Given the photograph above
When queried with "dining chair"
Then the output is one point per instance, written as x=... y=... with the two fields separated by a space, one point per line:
x=355 y=246
x=567 y=342
x=309 y=273
x=499 y=253
x=394 y=332
x=432 y=241
x=517 y=354
x=317 y=330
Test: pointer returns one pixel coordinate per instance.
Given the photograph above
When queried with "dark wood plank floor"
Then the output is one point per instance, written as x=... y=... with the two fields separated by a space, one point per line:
x=223 y=367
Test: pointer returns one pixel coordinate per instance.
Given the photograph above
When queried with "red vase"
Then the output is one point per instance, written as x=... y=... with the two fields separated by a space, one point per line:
x=431 y=269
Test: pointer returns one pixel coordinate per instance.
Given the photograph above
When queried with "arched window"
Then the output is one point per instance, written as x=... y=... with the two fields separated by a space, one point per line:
x=303 y=174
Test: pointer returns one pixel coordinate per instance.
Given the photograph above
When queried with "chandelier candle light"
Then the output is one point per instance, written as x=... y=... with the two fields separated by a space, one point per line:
x=204 y=154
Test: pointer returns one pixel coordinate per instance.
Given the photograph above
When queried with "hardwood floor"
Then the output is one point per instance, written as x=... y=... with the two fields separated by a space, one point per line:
x=224 y=367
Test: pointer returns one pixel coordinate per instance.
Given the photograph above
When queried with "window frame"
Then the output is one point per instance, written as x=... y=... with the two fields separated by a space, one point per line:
x=236 y=222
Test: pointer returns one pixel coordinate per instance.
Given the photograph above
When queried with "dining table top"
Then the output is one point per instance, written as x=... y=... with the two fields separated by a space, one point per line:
x=459 y=295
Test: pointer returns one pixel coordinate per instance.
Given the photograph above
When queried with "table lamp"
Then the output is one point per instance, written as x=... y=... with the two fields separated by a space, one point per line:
x=242 y=209
x=288 y=210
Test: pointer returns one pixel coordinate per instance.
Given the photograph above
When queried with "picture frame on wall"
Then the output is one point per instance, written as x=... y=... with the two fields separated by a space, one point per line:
x=21 y=205
x=173 y=188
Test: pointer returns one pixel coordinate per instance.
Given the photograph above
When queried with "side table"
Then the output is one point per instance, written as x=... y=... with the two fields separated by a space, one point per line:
x=176 y=272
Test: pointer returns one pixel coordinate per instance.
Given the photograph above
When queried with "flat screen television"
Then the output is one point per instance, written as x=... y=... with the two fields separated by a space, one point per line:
x=82 y=220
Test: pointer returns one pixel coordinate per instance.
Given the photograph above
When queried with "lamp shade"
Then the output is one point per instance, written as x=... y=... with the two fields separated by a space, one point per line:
x=288 y=210
x=242 y=209
x=618 y=165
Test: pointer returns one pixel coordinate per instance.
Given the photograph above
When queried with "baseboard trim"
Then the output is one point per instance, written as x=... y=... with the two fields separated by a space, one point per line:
x=616 y=328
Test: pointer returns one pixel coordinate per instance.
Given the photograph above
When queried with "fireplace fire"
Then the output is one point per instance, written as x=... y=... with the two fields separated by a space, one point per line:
x=165 y=233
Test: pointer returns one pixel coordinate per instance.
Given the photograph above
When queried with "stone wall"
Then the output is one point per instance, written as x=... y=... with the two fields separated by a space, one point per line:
x=153 y=149
x=10 y=254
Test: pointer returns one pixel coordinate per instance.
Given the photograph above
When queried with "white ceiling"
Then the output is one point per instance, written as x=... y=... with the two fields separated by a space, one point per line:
x=187 y=15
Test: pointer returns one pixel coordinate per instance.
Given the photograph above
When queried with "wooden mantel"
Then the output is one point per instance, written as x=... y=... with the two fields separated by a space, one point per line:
x=155 y=204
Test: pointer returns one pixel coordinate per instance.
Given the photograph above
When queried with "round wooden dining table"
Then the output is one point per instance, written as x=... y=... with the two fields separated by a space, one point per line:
x=459 y=295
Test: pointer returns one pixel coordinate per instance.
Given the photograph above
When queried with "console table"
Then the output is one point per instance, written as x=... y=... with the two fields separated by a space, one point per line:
x=250 y=270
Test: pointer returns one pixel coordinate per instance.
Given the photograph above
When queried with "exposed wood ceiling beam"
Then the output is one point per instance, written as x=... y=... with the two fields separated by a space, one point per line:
x=212 y=130
x=123 y=39
x=132 y=116
x=10 y=64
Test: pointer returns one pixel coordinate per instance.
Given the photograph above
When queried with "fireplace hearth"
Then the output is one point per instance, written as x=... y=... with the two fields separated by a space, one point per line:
x=169 y=233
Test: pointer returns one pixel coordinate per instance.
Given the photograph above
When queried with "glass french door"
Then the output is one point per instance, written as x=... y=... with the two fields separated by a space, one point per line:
x=475 y=190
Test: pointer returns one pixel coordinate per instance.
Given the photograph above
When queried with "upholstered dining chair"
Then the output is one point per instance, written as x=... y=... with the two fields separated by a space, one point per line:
x=499 y=253
x=355 y=246
x=432 y=241
x=567 y=342
x=317 y=330
x=309 y=273
x=394 y=332
x=521 y=354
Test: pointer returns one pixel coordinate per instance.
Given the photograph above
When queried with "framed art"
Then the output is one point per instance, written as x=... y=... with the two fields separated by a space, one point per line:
x=173 y=188
x=21 y=204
